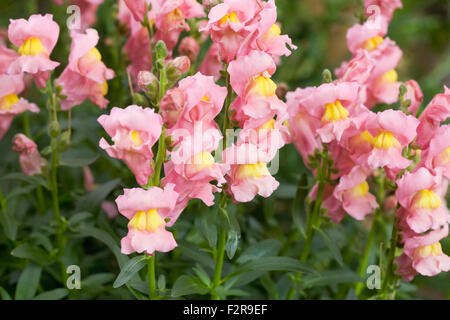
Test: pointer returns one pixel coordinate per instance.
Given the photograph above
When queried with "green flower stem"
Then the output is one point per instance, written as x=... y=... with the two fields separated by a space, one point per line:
x=315 y=217
x=390 y=276
x=53 y=118
x=151 y=277
x=222 y=234
x=371 y=237
x=161 y=155
x=220 y=251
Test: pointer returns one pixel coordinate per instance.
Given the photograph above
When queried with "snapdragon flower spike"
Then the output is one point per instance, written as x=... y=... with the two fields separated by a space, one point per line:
x=170 y=18
x=267 y=36
x=391 y=130
x=437 y=111
x=230 y=23
x=423 y=254
x=257 y=102
x=85 y=77
x=147 y=211
x=35 y=38
x=10 y=103
x=437 y=155
x=30 y=159
x=332 y=103
x=419 y=194
x=353 y=191
x=249 y=174
x=134 y=131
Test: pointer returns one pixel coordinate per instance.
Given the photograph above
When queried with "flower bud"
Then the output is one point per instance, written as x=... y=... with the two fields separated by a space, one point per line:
x=30 y=160
x=54 y=129
x=171 y=106
x=177 y=67
x=190 y=48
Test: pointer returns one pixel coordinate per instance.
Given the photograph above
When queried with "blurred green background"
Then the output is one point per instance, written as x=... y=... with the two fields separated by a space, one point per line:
x=318 y=28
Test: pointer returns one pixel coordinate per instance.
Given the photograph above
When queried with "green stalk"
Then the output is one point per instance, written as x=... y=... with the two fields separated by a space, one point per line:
x=53 y=118
x=390 y=276
x=151 y=277
x=222 y=235
x=371 y=237
x=314 y=218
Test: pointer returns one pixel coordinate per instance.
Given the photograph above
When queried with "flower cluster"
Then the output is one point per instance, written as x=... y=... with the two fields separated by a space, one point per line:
x=339 y=118
x=248 y=39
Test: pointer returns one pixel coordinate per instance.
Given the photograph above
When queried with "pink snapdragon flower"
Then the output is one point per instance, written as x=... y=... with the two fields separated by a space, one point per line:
x=10 y=104
x=437 y=155
x=35 y=38
x=170 y=18
x=171 y=106
x=353 y=191
x=230 y=23
x=7 y=57
x=134 y=131
x=392 y=130
x=437 y=111
x=192 y=168
x=249 y=174
x=423 y=255
x=332 y=103
x=88 y=9
x=138 y=8
x=418 y=193
x=85 y=77
x=257 y=102
x=212 y=64
x=302 y=125
x=267 y=36
x=386 y=7
x=414 y=94
x=190 y=48
x=203 y=101
x=30 y=159
x=147 y=211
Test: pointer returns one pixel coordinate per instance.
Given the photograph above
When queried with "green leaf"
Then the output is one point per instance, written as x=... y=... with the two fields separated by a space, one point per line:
x=331 y=277
x=106 y=238
x=274 y=264
x=77 y=162
x=78 y=217
x=28 y=282
x=268 y=247
x=9 y=223
x=98 y=279
x=56 y=294
x=4 y=294
x=33 y=180
x=195 y=254
x=27 y=251
x=20 y=191
x=331 y=244
x=202 y=275
x=129 y=270
x=240 y=280
x=94 y=198
x=186 y=285
x=229 y=222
